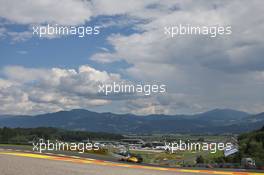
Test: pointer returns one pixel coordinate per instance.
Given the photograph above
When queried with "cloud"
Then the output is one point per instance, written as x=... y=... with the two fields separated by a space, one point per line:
x=2 y=32
x=227 y=53
x=19 y=36
x=163 y=104
x=22 y=52
x=15 y=36
x=217 y=71
x=74 y=12
x=31 y=90
x=70 y=12
x=39 y=90
x=226 y=71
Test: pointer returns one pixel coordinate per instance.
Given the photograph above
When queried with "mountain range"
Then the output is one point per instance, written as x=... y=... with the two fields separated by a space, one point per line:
x=218 y=121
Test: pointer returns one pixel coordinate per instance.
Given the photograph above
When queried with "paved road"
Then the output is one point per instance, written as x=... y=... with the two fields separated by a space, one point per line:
x=69 y=153
x=25 y=162
x=15 y=165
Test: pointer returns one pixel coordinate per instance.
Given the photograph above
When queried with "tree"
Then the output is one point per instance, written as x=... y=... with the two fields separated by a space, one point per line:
x=200 y=159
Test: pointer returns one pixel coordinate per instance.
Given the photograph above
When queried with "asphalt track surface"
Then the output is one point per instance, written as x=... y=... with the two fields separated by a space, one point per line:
x=12 y=165
x=13 y=162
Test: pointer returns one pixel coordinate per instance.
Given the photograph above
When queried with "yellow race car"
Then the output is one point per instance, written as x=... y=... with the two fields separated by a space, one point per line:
x=130 y=157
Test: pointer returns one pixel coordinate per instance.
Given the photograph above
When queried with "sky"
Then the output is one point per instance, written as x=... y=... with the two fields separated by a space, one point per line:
x=53 y=73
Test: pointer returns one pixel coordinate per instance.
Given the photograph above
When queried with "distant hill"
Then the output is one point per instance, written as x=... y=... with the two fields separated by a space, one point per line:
x=217 y=121
x=223 y=114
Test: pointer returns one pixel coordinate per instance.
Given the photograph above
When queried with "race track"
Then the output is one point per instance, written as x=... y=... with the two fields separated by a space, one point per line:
x=27 y=163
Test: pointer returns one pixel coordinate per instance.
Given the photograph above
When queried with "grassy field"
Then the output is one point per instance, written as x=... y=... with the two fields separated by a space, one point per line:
x=178 y=158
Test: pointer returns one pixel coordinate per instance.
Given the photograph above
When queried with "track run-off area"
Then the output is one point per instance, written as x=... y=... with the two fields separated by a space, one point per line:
x=107 y=166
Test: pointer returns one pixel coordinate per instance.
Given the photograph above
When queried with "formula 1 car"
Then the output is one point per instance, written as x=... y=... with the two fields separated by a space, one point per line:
x=126 y=156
